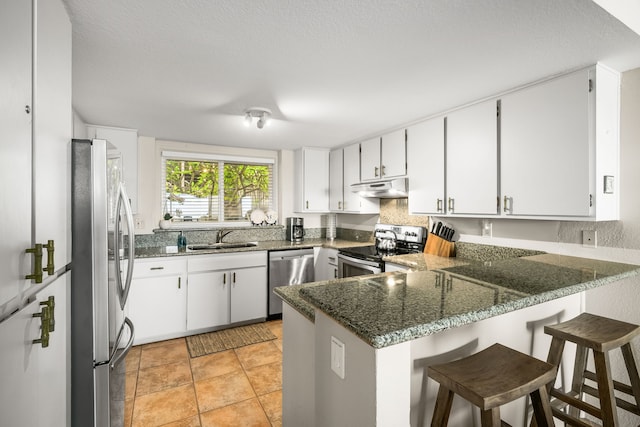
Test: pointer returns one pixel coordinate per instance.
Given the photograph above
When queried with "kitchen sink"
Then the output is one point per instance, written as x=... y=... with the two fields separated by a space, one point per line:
x=214 y=246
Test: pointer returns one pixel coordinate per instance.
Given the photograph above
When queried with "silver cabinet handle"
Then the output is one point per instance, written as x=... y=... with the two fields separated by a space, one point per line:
x=505 y=202
x=451 y=204
x=156 y=268
x=375 y=171
x=439 y=205
x=382 y=173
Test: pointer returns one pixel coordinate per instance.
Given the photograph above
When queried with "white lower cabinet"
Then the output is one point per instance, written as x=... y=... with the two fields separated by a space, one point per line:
x=176 y=296
x=157 y=303
x=226 y=288
x=326 y=264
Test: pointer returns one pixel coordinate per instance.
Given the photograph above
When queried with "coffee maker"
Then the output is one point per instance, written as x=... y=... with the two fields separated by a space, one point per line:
x=295 y=229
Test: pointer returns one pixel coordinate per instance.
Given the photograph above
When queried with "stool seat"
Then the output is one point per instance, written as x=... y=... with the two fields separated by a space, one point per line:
x=600 y=335
x=595 y=332
x=491 y=378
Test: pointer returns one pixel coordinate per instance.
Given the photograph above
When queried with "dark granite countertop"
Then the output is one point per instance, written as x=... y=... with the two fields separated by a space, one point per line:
x=270 y=245
x=444 y=293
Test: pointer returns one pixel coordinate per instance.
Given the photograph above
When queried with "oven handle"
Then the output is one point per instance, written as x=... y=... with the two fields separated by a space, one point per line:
x=358 y=261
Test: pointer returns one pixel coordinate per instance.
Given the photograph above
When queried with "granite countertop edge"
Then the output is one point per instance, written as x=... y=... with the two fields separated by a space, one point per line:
x=307 y=306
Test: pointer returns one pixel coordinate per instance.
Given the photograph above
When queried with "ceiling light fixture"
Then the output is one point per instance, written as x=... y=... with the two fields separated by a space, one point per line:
x=263 y=115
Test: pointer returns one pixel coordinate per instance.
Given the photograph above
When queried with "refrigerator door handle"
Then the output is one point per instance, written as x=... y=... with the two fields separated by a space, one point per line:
x=115 y=359
x=123 y=201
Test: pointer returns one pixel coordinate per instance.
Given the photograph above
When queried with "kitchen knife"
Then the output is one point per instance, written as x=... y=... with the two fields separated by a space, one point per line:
x=444 y=231
x=450 y=234
x=438 y=227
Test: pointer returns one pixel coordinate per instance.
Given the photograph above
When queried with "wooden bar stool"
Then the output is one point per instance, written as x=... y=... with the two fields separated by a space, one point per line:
x=491 y=378
x=600 y=335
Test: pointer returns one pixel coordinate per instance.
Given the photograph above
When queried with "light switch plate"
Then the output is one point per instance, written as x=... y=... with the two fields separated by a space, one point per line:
x=337 y=357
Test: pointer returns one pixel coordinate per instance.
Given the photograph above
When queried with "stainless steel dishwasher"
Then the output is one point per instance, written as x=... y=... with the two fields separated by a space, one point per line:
x=288 y=267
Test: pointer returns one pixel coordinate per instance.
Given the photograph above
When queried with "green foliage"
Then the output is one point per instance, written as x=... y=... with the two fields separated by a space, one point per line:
x=201 y=179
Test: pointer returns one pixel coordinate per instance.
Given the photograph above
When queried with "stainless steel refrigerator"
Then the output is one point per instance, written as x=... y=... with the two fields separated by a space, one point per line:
x=102 y=266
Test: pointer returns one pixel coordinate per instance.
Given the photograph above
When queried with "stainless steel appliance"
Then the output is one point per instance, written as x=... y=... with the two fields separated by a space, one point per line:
x=288 y=267
x=389 y=240
x=101 y=335
x=295 y=229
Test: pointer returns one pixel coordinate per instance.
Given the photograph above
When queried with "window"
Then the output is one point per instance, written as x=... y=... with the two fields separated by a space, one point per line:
x=209 y=188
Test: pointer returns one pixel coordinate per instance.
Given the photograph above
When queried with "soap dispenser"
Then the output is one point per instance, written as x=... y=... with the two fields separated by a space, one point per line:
x=182 y=242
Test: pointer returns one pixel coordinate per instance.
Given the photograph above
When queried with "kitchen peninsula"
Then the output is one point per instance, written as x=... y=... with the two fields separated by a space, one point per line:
x=356 y=350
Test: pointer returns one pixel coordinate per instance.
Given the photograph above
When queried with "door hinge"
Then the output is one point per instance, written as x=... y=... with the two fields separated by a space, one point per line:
x=590 y=200
x=590 y=85
x=498 y=109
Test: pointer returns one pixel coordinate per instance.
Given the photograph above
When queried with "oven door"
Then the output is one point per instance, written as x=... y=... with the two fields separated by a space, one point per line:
x=349 y=267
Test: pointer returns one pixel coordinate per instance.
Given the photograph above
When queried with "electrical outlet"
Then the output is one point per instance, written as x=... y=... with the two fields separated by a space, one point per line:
x=337 y=357
x=589 y=238
x=138 y=222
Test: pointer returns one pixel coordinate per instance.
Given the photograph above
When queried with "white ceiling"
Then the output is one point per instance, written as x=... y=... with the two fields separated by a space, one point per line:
x=332 y=71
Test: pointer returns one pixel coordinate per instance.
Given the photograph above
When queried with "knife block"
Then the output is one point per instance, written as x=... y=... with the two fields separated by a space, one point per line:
x=436 y=245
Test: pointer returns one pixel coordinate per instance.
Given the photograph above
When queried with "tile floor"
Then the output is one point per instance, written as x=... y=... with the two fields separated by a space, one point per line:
x=241 y=387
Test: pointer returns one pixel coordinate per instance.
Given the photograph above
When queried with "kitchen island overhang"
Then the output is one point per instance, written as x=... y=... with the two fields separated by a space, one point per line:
x=395 y=324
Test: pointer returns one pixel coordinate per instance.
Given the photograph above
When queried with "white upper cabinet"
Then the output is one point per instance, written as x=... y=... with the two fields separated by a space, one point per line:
x=336 y=183
x=384 y=157
x=352 y=202
x=559 y=139
x=311 y=180
x=15 y=145
x=472 y=160
x=126 y=141
x=425 y=167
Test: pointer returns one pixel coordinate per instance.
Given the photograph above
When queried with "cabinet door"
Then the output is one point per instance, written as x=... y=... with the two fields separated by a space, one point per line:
x=19 y=371
x=370 y=160
x=208 y=299
x=393 y=158
x=158 y=306
x=15 y=145
x=353 y=203
x=52 y=130
x=248 y=294
x=545 y=148
x=336 y=183
x=53 y=374
x=472 y=160
x=314 y=176
x=425 y=167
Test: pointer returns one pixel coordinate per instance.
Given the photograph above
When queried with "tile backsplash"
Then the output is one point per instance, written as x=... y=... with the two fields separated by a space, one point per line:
x=396 y=211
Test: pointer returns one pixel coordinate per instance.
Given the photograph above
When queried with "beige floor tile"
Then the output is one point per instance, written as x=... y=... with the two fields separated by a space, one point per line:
x=189 y=422
x=265 y=378
x=128 y=412
x=272 y=405
x=165 y=406
x=163 y=377
x=215 y=364
x=258 y=354
x=132 y=360
x=165 y=342
x=278 y=343
x=130 y=384
x=276 y=327
x=223 y=390
x=172 y=351
x=248 y=413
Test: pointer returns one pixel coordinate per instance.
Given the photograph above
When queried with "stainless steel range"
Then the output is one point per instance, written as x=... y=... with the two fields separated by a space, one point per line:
x=389 y=240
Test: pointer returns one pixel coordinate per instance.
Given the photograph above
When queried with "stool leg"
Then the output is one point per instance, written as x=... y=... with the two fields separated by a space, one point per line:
x=490 y=417
x=577 y=382
x=605 y=389
x=632 y=369
x=542 y=407
x=442 y=408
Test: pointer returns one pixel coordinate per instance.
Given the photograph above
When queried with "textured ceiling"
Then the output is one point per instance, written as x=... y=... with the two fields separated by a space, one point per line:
x=332 y=71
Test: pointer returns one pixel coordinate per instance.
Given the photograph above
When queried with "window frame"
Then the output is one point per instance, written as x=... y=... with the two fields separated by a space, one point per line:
x=166 y=154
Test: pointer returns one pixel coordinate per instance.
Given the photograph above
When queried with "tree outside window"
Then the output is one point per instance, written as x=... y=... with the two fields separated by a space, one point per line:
x=198 y=190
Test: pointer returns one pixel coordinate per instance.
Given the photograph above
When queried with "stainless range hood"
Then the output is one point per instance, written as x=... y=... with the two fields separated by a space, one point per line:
x=386 y=189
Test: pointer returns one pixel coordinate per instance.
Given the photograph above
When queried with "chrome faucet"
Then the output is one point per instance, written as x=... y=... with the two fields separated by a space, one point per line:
x=220 y=235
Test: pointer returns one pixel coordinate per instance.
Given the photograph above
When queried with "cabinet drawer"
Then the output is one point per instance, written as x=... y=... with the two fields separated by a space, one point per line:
x=159 y=267
x=227 y=261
